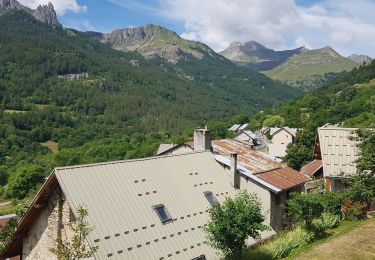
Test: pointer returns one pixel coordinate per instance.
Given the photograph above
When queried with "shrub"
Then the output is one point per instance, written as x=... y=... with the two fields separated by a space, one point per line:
x=354 y=210
x=305 y=208
x=326 y=221
x=332 y=202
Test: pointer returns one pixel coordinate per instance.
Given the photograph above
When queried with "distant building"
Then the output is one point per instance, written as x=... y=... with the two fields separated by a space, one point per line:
x=280 y=137
x=152 y=208
x=237 y=128
x=248 y=137
x=338 y=154
x=258 y=172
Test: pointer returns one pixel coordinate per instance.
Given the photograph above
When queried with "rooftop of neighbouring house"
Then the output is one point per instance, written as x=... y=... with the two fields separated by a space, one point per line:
x=5 y=219
x=292 y=131
x=311 y=168
x=253 y=161
x=283 y=178
x=337 y=151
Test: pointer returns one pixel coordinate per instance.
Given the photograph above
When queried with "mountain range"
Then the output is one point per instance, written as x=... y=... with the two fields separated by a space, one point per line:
x=298 y=67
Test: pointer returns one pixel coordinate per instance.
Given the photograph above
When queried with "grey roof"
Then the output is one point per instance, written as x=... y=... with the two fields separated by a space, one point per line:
x=164 y=147
x=250 y=134
x=242 y=127
x=292 y=131
x=119 y=197
x=337 y=151
x=234 y=128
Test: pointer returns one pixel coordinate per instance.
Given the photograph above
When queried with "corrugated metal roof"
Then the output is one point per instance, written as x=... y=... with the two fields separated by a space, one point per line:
x=283 y=178
x=312 y=167
x=119 y=197
x=252 y=160
x=337 y=151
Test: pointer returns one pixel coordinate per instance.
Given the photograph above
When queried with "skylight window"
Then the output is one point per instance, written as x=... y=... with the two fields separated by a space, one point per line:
x=162 y=212
x=201 y=257
x=210 y=197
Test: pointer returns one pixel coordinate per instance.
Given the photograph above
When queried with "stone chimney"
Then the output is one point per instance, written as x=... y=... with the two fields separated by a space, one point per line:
x=233 y=171
x=202 y=139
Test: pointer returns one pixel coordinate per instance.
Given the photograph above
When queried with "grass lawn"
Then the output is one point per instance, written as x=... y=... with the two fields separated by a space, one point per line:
x=7 y=209
x=350 y=240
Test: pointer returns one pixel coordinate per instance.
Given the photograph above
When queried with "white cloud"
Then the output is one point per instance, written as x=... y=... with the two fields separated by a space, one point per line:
x=346 y=25
x=61 y=6
x=79 y=24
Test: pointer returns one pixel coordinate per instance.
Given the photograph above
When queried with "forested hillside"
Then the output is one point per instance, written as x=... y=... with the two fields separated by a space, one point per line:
x=348 y=100
x=122 y=108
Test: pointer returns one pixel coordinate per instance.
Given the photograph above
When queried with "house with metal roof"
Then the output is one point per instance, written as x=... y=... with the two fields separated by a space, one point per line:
x=248 y=137
x=260 y=173
x=238 y=127
x=338 y=154
x=152 y=208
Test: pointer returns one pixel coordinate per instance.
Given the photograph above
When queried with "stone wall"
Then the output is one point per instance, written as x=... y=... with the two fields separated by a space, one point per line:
x=46 y=228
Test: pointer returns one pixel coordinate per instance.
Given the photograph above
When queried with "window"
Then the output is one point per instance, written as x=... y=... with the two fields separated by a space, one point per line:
x=162 y=213
x=201 y=257
x=210 y=197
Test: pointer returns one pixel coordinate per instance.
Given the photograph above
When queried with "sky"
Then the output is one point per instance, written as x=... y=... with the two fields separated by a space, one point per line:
x=346 y=25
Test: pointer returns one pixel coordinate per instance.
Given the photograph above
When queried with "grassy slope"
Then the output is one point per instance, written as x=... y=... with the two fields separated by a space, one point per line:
x=350 y=240
x=309 y=67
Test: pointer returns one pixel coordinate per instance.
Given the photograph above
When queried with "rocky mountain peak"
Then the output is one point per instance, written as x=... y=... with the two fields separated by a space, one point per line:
x=43 y=13
x=46 y=14
x=360 y=58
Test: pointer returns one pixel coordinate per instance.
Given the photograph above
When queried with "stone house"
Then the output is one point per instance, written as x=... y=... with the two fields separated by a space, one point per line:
x=248 y=137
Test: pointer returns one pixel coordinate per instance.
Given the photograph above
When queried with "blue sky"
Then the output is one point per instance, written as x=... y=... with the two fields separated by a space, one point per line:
x=346 y=25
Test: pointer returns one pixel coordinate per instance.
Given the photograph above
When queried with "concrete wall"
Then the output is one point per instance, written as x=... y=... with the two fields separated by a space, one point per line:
x=46 y=227
x=282 y=137
x=245 y=138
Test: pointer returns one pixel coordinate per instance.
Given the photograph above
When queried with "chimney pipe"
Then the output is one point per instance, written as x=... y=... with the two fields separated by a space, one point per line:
x=233 y=171
x=202 y=139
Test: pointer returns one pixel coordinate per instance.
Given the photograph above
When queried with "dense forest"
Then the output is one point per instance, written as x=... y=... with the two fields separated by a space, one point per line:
x=122 y=108
x=347 y=100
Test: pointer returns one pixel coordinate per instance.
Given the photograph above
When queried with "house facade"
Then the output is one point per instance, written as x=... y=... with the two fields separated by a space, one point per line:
x=280 y=137
x=338 y=155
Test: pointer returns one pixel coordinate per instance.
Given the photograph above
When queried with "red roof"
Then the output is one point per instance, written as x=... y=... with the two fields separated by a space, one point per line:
x=283 y=178
x=248 y=158
x=311 y=168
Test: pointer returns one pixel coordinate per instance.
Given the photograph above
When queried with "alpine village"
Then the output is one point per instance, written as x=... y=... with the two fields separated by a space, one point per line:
x=141 y=144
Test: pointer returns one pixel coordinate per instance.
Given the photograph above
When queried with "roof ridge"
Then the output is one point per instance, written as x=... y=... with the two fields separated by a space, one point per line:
x=269 y=170
x=127 y=161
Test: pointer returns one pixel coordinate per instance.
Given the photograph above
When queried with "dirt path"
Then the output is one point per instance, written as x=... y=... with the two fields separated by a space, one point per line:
x=357 y=244
x=5 y=203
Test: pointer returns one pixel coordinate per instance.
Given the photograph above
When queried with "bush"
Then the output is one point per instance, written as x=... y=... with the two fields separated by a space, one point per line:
x=354 y=210
x=288 y=242
x=326 y=221
x=332 y=202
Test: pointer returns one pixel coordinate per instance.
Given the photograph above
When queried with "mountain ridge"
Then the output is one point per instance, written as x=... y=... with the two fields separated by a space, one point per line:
x=44 y=13
x=153 y=40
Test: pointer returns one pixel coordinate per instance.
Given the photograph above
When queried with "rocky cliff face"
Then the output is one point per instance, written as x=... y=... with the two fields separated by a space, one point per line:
x=44 y=13
x=154 y=41
x=359 y=58
x=256 y=56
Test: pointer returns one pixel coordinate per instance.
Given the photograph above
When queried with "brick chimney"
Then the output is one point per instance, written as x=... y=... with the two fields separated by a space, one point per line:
x=233 y=170
x=202 y=139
